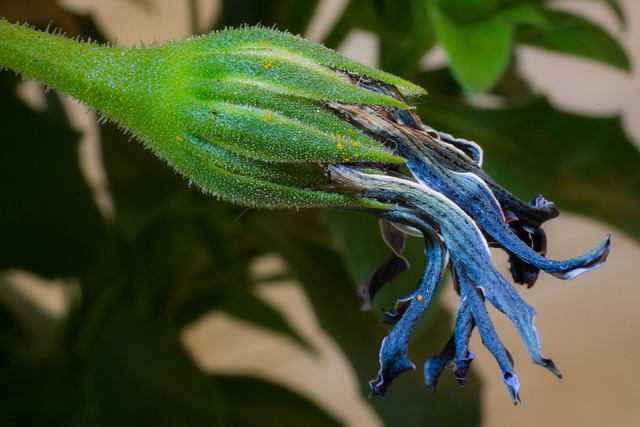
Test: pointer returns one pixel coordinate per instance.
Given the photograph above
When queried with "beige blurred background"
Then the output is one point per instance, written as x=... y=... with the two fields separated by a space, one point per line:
x=590 y=326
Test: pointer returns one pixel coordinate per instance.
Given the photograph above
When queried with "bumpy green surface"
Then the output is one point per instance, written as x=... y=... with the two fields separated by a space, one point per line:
x=238 y=112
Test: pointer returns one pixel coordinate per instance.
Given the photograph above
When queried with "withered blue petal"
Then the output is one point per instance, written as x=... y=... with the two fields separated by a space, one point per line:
x=456 y=348
x=470 y=148
x=502 y=295
x=471 y=295
x=461 y=212
x=428 y=153
x=469 y=255
x=393 y=354
x=482 y=206
x=434 y=366
x=474 y=196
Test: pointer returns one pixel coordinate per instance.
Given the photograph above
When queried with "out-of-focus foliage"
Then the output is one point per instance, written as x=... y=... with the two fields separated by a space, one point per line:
x=170 y=254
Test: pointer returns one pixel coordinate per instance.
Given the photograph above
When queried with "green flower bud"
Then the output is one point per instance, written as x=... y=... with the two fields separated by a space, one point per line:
x=240 y=113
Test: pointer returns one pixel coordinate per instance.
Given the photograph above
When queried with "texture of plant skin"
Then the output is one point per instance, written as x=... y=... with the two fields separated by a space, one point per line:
x=263 y=118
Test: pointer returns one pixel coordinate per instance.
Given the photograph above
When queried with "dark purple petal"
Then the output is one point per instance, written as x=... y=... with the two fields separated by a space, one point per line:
x=384 y=274
x=391 y=317
x=521 y=271
x=395 y=265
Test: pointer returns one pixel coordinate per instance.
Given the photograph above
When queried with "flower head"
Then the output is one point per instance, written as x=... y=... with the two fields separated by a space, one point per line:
x=460 y=211
x=263 y=118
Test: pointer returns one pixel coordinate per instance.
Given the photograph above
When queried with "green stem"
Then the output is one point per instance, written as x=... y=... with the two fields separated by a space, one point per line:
x=97 y=75
x=123 y=84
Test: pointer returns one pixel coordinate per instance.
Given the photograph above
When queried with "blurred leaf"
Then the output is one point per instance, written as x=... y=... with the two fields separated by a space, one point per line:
x=291 y=15
x=11 y=330
x=167 y=260
x=246 y=306
x=571 y=34
x=139 y=375
x=36 y=394
x=253 y=402
x=584 y=164
x=362 y=255
x=142 y=187
x=478 y=52
x=49 y=223
x=466 y=11
x=524 y=14
x=41 y=14
x=320 y=270
x=617 y=10
x=402 y=28
x=25 y=327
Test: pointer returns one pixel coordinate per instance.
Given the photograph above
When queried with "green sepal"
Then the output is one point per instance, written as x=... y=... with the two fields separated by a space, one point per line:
x=240 y=113
x=263 y=43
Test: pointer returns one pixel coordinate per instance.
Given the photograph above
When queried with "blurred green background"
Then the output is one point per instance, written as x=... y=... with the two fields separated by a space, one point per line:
x=129 y=299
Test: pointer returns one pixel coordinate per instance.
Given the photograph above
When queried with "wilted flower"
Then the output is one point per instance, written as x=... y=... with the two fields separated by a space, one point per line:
x=460 y=211
x=268 y=119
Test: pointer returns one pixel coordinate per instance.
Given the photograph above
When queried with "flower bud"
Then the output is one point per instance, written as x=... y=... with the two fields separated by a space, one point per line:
x=240 y=113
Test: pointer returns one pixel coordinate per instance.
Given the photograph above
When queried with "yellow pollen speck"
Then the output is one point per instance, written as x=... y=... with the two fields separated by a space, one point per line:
x=269 y=116
x=179 y=138
x=346 y=159
x=355 y=143
x=213 y=119
x=263 y=43
x=339 y=145
x=244 y=85
x=339 y=136
x=419 y=297
x=277 y=77
x=131 y=109
x=266 y=64
x=119 y=86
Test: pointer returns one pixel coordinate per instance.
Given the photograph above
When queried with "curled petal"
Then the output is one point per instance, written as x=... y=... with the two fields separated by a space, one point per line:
x=470 y=294
x=434 y=366
x=470 y=148
x=502 y=295
x=456 y=350
x=484 y=208
x=393 y=353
